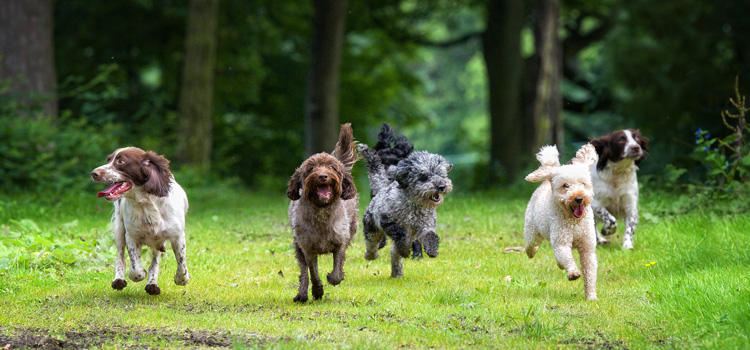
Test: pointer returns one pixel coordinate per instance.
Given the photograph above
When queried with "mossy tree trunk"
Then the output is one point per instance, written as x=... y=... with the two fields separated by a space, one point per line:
x=547 y=114
x=197 y=89
x=27 y=52
x=502 y=55
x=322 y=97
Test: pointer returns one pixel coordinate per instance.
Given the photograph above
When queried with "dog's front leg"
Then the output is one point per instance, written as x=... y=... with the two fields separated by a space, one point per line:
x=374 y=237
x=337 y=275
x=119 y=230
x=631 y=221
x=565 y=261
x=134 y=250
x=609 y=224
x=397 y=267
x=430 y=241
x=152 y=286
x=181 y=276
x=317 y=284
x=304 y=279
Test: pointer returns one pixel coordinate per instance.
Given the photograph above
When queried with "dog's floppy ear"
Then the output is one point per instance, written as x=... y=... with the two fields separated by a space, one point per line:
x=643 y=142
x=602 y=149
x=348 y=190
x=543 y=173
x=295 y=185
x=156 y=170
x=586 y=155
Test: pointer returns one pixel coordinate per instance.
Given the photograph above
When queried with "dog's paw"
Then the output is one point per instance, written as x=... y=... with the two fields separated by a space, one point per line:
x=531 y=251
x=627 y=243
x=431 y=242
x=137 y=276
x=574 y=275
x=182 y=279
x=602 y=241
x=119 y=284
x=333 y=280
x=300 y=298
x=317 y=292
x=371 y=255
x=153 y=289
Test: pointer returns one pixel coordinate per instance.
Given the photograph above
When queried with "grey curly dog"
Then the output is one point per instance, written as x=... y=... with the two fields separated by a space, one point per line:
x=404 y=208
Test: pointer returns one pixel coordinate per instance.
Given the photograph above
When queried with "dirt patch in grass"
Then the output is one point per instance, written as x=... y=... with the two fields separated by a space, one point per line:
x=600 y=343
x=23 y=338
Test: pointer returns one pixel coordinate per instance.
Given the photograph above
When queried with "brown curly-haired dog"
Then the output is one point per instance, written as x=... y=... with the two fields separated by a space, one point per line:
x=323 y=212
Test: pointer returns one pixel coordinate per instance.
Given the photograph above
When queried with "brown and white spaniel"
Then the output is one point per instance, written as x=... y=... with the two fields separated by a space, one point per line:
x=615 y=182
x=323 y=212
x=150 y=209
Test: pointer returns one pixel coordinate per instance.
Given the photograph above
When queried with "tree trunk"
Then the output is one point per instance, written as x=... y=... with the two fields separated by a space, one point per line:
x=502 y=56
x=322 y=100
x=547 y=118
x=27 y=52
x=196 y=92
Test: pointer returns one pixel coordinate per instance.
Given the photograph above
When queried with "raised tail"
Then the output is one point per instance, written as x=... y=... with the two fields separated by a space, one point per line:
x=392 y=149
x=375 y=169
x=345 y=150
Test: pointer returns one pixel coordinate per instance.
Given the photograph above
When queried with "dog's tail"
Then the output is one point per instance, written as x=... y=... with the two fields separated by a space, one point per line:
x=548 y=156
x=392 y=154
x=375 y=169
x=345 y=148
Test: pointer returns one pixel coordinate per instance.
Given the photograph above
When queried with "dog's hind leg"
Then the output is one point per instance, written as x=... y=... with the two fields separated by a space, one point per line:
x=119 y=230
x=152 y=286
x=304 y=279
x=337 y=275
x=181 y=276
x=397 y=263
x=416 y=250
x=374 y=237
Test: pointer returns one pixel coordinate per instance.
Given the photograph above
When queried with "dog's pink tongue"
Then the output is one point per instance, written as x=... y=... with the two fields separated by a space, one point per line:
x=578 y=211
x=108 y=190
x=324 y=191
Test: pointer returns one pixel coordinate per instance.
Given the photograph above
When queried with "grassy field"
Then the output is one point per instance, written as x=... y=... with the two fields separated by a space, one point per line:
x=686 y=285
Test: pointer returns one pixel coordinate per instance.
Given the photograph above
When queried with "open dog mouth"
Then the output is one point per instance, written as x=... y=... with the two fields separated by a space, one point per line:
x=324 y=192
x=114 y=190
x=578 y=210
x=436 y=198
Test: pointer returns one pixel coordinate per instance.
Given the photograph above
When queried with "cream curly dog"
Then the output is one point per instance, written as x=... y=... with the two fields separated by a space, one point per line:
x=559 y=211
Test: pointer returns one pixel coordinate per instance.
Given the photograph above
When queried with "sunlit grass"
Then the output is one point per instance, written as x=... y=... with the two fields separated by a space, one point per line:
x=687 y=284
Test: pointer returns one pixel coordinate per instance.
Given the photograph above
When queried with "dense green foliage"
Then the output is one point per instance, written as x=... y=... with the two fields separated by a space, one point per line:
x=686 y=284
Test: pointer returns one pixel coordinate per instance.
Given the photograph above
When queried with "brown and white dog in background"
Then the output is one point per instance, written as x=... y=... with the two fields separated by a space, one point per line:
x=150 y=209
x=615 y=182
x=323 y=212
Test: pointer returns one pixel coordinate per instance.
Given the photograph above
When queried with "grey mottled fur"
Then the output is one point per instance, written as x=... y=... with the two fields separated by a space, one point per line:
x=404 y=206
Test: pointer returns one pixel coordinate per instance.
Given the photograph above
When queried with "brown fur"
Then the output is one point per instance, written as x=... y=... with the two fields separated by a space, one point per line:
x=610 y=147
x=323 y=224
x=146 y=169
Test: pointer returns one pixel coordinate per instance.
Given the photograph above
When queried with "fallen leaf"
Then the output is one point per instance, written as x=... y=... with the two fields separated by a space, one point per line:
x=514 y=250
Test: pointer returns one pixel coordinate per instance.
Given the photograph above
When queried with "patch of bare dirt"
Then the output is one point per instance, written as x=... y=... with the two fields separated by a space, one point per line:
x=132 y=338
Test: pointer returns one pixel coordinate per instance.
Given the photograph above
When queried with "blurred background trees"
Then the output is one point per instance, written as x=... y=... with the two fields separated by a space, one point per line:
x=484 y=82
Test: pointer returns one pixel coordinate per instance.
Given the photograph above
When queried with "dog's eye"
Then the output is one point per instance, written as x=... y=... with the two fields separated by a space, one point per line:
x=566 y=186
x=423 y=177
x=120 y=161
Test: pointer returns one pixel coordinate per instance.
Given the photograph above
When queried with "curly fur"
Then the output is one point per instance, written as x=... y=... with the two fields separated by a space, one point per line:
x=559 y=211
x=323 y=212
x=404 y=209
x=615 y=182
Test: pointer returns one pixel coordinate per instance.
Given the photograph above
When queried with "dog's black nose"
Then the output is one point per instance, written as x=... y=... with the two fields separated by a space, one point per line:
x=441 y=188
x=579 y=200
x=322 y=177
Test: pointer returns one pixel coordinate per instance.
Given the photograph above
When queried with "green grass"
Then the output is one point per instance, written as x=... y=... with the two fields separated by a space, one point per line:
x=695 y=295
